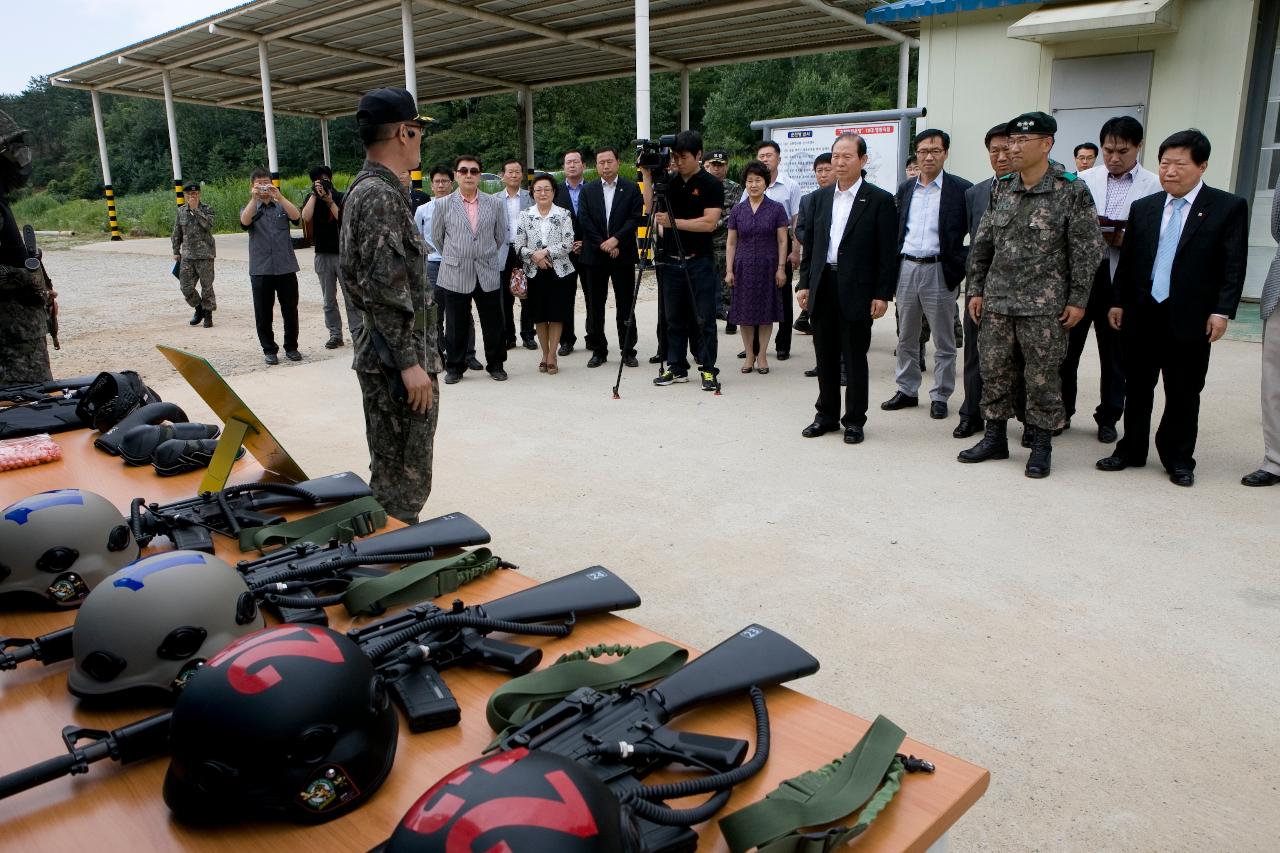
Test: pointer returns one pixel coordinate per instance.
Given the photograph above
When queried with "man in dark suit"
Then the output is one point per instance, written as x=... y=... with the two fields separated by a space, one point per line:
x=609 y=211
x=847 y=276
x=569 y=196
x=977 y=199
x=1178 y=282
x=932 y=224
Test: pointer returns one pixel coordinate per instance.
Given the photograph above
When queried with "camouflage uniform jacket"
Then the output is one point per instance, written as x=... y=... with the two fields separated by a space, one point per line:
x=382 y=265
x=22 y=311
x=1036 y=250
x=193 y=233
x=732 y=195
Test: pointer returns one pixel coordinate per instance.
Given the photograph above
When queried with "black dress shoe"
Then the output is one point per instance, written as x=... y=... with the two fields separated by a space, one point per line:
x=782 y=356
x=742 y=354
x=596 y=360
x=853 y=435
x=1114 y=462
x=293 y=355
x=511 y=344
x=811 y=372
x=530 y=343
x=631 y=361
x=498 y=374
x=818 y=428
x=730 y=329
x=452 y=378
x=1107 y=433
x=565 y=349
x=655 y=359
x=333 y=343
x=1182 y=477
x=271 y=358
x=473 y=363
x=937 y=410
x=196 y=317
x=1259 y=478
x=967 y=427
x=899 y=401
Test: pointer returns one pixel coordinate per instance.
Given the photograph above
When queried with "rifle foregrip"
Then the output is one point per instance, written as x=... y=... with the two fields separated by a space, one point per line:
x=425 y=700
x=192 y=538
x=36 y=775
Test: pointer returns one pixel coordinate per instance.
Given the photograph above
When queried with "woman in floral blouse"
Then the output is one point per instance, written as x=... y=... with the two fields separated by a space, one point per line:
x=544 y=237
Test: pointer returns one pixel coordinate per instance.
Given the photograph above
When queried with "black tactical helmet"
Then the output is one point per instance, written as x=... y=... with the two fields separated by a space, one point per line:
x=289 y=722
x=517 y=801
x=149 y=625
x=61 y=544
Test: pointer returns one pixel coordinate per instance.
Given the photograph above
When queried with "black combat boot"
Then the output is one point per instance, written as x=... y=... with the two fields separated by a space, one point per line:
x=197 y=317
x=994 y=444
x=208 y=319
x=1041 y=452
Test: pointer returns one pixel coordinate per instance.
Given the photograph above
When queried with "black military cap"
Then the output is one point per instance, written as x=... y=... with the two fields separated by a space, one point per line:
x=1035 y=122
x=388 y=106
x=718 y=155
x=191 y=187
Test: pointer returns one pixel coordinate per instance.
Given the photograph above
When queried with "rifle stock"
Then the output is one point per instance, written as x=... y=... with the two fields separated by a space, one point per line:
x=454 y=530
x=593 y=590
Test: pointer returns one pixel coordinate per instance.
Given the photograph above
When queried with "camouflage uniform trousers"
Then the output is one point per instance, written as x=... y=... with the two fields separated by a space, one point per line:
x=192 y=270
x=1043 y=344
x=23 y=361
x=400 y=447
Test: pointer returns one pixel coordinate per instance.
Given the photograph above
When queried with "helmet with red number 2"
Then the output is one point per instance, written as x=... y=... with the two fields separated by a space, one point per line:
x=517 y=801
x=290 y=721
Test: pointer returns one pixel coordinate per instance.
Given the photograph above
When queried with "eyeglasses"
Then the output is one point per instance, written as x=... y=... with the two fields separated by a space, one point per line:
x=467 y=170
x=1019 y=141
x=930 y=152
x=542 y=189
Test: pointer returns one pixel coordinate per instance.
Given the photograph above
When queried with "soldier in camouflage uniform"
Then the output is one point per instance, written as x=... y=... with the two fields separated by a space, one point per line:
x=194 y=250
x=24 y=317
x=383 y=263
x=717 y=163
x=1031 y=267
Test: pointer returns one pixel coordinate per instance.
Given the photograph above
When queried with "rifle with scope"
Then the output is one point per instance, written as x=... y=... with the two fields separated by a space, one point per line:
x=411 y=648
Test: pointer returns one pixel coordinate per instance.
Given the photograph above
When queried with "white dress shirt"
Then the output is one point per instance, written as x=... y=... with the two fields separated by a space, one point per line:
x=922 y=220
x=609 y=187
x=422 y=218
x=513 y=212
x=841 y=206
x=787 y=193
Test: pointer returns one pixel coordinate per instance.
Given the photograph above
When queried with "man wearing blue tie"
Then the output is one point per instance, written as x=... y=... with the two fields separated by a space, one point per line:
x=1178 y=282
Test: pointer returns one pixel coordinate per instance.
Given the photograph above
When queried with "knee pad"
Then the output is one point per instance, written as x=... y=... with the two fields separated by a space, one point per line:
x=140 y=442
x=178 y=456
x=151 y=413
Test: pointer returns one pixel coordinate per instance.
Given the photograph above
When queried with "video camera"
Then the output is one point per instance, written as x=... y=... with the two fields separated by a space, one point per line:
x=655 y=156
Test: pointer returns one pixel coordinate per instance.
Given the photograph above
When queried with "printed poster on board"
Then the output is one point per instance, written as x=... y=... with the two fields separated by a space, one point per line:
x=801 y=144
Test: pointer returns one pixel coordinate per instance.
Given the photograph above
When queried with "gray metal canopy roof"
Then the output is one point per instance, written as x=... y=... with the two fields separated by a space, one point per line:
x=324 y=54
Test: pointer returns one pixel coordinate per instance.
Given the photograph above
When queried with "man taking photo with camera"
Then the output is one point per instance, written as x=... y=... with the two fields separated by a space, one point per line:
x=273 y=268
x=688 y=212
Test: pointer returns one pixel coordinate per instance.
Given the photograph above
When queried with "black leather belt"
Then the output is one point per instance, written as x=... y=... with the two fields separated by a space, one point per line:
x=831 y=267
x=932 y=259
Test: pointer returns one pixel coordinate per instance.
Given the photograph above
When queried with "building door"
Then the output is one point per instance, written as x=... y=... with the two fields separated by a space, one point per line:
x=1087 y=91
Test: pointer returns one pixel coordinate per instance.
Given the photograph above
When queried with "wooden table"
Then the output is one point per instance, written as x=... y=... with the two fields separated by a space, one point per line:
x=115 y=808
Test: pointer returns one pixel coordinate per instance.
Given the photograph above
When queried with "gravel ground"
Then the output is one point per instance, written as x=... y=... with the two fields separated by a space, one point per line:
x=1100 y=642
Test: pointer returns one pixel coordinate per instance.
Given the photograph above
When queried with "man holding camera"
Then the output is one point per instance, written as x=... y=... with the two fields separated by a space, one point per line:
x=273 y=268
x=194 y=250
x=688 y=212
x=322 y=211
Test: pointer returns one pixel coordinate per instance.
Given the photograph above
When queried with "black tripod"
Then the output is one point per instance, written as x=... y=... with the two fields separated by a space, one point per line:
x=660 y=204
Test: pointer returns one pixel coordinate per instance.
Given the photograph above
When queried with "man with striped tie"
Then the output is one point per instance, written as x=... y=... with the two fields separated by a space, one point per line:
x=1178 y=282
x=1269 y=473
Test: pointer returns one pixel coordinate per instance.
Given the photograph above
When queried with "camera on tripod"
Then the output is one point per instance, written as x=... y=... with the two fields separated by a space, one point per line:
x=655 y=156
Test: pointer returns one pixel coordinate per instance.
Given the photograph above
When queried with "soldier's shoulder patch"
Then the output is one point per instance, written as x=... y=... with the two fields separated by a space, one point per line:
x=1070 y=177
x=1008 y=177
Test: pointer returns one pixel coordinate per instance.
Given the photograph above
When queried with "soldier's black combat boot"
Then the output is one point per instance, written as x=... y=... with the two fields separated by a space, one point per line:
x=197 y=317
x=1041 y=453
x=994 y=444
x=208 y=319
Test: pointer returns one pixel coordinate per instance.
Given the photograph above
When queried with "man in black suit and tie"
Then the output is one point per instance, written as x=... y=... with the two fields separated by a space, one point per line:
x=569 y=196
x=932 y=225
x=848 y=272
x=1178 y=282
x=609 y=211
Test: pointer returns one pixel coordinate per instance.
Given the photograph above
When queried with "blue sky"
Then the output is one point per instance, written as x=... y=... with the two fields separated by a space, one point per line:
x=48 y=35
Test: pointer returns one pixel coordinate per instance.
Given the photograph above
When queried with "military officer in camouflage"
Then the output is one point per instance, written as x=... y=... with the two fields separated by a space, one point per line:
x=24 y=318
x=1031 y=266
x=717 y=163
x=383 y=262
x=194 y=250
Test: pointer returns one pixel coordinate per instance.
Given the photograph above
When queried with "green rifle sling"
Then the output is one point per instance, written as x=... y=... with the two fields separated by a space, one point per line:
x=520 y=699
x=866 y=778
x=343 y=523
x=417 y=582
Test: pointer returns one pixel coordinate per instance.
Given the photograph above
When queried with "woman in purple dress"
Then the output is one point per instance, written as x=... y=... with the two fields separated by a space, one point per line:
x=755 y=261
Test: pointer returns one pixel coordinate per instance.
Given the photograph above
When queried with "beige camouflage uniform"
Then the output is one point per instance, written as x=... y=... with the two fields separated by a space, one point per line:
x=383 y=271
x=1036 y=251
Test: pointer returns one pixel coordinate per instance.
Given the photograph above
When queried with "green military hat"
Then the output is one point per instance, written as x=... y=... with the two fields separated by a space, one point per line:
x=191 y=187
x=1033 y=122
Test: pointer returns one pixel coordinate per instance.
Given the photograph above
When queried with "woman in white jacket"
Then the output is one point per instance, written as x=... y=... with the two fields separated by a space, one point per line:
x=544 y=237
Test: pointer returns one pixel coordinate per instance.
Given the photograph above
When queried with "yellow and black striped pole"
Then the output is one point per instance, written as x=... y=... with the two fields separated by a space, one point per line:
x=415 y=179
x=275 y=179
x=177 y=192
x=111 y=212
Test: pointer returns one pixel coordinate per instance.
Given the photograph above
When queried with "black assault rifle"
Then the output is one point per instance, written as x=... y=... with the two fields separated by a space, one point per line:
x=411 y=648
x=36 y=392
x=191 y=523
x=456 y=637
x=286 y=580
x=623 y=737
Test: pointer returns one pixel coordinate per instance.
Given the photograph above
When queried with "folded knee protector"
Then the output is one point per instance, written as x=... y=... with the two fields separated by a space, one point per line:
x=151 y=413
x=177 y=456
x=141 y=441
